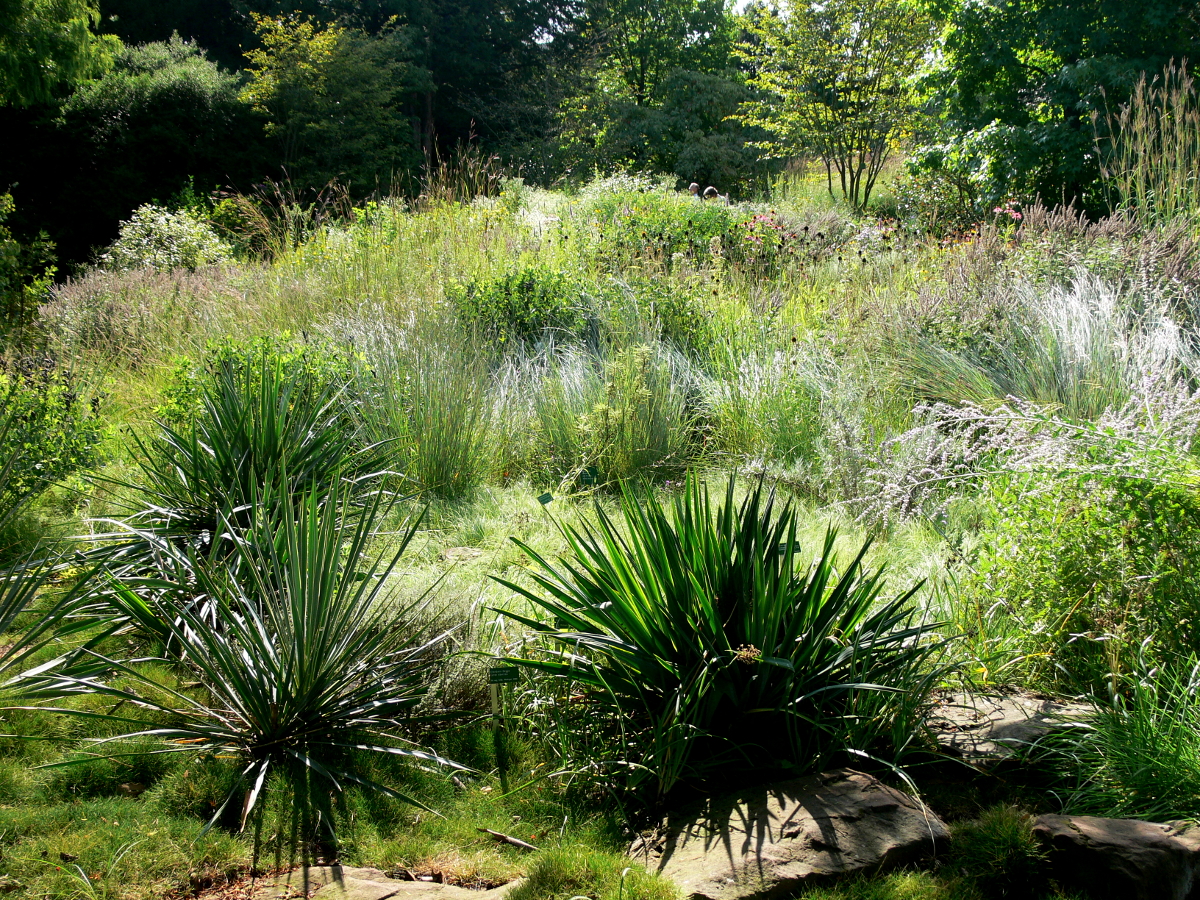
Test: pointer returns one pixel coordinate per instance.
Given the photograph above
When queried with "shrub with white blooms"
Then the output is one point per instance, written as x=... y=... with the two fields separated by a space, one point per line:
x=162 y=239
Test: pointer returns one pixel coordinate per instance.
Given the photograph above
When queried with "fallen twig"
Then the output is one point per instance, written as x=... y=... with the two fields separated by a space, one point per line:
x=504 y=838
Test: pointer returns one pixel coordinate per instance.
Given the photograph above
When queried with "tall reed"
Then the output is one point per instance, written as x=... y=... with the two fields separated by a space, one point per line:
x=1152 y=166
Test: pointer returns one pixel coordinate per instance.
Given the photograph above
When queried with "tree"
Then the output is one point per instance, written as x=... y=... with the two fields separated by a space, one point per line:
x=333 y=98
x=1019 y=83
x=46 y=45
x=643 y=41
x=835 y=80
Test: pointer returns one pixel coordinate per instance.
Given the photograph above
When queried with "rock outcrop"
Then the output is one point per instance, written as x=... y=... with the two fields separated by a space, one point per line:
x=1122 y=859
x=768 y=841
x=986 y=728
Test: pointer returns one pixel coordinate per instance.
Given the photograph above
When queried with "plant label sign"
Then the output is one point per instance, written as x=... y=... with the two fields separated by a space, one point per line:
x=502 y=675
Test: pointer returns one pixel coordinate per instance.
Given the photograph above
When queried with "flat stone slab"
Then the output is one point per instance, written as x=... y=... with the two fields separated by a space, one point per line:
x=769 y=841
x=366 y=884
x=985 y=728
x=1122 y=859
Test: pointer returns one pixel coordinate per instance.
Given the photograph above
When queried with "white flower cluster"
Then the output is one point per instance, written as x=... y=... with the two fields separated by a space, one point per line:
x=160 y=239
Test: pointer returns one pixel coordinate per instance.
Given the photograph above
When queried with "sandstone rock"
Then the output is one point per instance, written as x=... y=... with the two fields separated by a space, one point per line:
x=986 y=728
x=368 y=884
x=1122 y=859
x=768 y=841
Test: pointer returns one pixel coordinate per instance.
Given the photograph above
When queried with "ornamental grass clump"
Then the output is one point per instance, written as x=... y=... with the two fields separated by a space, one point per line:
x=709 y=646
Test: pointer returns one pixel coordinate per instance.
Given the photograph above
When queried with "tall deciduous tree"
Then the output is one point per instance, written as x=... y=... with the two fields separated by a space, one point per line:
x=835 y=82
x=333 y=97
x=46 y=45
x=1019 y=82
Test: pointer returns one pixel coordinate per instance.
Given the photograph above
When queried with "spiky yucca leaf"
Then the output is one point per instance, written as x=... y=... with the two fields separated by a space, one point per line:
x=262 y=432
x=309 y=666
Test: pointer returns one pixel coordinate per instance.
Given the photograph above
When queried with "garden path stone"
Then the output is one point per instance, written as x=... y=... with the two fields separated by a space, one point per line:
x=1122 y=859
x=985 y=728
x=369 y=884
x=768 y=841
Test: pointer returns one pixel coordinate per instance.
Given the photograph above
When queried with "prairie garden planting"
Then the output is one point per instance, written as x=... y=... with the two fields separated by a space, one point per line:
x=737 y=491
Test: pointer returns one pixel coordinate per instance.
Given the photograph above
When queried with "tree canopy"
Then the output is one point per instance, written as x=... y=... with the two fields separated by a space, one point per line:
x=47 y=46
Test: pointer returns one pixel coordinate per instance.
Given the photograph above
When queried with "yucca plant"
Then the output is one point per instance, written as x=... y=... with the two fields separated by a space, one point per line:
x=311 y=667
x=710 y=644
x=262 y=431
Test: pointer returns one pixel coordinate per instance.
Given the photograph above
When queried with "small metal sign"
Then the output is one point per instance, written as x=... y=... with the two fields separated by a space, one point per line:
x=545 y=498
x=502 y=675
x=590 y=475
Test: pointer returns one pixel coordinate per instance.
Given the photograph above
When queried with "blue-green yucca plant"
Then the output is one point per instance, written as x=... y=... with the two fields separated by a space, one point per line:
x=310 y=666
x=711 y=645
x=263 y=431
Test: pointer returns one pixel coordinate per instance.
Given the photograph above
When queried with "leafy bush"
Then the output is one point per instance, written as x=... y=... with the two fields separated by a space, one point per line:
x=1089 y=565
x=310 y=664
x=158 y=238
x=528 y=304
x=709 y=648
x=48 y=430
x=937 y=193
x=26 y=272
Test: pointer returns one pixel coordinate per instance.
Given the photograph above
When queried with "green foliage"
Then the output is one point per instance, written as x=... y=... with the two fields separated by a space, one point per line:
x=563 y=874
x=833 y=81
x=331 y=96
x=1019 y=83
x=936 y=193
x=645 y=41
x=527 y=305
x=601 y=421
x=46 y=45
x=48 y=429
x=999 y=854
x=1090 y=563
x=309 y=660
x=26 y=272
x=709 y=648
x=1137 y=756
x=158 y=238
x=424 y=397
x=267 y=427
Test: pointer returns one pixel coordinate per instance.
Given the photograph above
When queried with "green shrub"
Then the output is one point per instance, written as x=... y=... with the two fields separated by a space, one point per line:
x=49 y=431
x=158 y=238
x=529 y=304
x=711 y=647
x=308 y=662
x=26 y=272
x=256 y=425
x=1087 y=565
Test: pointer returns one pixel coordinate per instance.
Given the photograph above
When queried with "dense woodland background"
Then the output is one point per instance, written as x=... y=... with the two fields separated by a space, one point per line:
x=104 y=107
